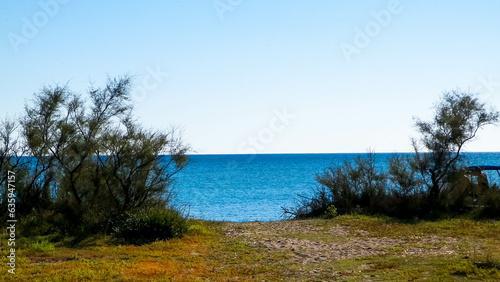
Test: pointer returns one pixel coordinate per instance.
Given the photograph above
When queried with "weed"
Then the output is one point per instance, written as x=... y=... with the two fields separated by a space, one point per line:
x=42 y=246
x=331 y=212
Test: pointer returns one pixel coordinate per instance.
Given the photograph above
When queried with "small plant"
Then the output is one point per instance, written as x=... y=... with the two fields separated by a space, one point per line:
x=331 y=212
x=487 y=261
x=199 y=228
x=42 y=246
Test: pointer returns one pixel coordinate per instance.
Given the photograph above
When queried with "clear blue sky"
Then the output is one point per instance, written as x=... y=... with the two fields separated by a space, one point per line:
x=243 y=76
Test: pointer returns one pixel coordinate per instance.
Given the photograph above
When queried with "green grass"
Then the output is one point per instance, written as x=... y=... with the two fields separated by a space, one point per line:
x=446 y=250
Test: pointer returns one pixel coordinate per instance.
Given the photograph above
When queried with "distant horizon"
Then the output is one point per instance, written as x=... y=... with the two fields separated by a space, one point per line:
x=352 y=153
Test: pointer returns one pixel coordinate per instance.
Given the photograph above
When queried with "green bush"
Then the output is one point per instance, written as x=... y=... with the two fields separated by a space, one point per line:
x=489 y=203
x=41 y=246
x=331 y=212
x=355 y=187
x=146 y=226
x=36 y=224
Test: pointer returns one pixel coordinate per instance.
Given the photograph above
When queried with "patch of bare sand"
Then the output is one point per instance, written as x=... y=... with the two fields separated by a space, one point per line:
x=343 y=241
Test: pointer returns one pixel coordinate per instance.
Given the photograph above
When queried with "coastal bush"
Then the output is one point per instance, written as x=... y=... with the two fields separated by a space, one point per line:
x=489 y=202
x=356 y=187
x=35 y=224
x=331 y=212
x=149 y=225
x=315 y=206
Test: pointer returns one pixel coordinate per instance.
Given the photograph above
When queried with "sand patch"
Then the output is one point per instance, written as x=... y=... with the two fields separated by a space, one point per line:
x=312 y=242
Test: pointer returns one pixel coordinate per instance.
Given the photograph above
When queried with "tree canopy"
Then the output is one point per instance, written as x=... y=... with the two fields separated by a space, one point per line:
x=85 y=157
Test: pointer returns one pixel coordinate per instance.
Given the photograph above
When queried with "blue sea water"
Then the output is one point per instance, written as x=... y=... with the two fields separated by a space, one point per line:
x=242 y=188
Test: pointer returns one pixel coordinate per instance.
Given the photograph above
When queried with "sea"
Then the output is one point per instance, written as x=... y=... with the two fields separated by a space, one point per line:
x=244 y=188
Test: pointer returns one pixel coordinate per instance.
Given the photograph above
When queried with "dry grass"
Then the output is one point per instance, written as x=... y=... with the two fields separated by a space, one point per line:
x=344 y=248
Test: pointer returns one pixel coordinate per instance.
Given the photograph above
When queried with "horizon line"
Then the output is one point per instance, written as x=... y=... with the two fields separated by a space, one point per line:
x=325 y=153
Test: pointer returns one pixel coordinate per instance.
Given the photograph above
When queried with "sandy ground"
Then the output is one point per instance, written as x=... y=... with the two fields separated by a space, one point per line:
x=327 y=244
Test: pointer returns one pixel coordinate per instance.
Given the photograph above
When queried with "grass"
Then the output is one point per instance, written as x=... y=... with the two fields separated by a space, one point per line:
x=297 y=250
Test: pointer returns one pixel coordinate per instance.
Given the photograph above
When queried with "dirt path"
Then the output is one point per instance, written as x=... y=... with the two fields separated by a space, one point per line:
x=312 y=242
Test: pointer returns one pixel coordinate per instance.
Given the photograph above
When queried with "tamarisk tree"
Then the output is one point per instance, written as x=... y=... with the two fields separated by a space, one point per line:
x=458 y=118
x=93 y=157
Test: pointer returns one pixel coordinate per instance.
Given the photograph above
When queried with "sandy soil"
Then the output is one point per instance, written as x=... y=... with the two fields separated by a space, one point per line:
x=311 y=243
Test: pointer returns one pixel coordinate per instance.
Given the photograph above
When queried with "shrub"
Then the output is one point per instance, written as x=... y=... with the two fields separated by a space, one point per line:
x=331 y=212
x=310 y=207
x=355 y=187
x=42 y=246
x=36 y=224
x=146 y=226
x=489 y=202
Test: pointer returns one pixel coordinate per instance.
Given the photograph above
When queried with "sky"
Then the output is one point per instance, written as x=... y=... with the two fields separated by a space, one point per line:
x=241 y=76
